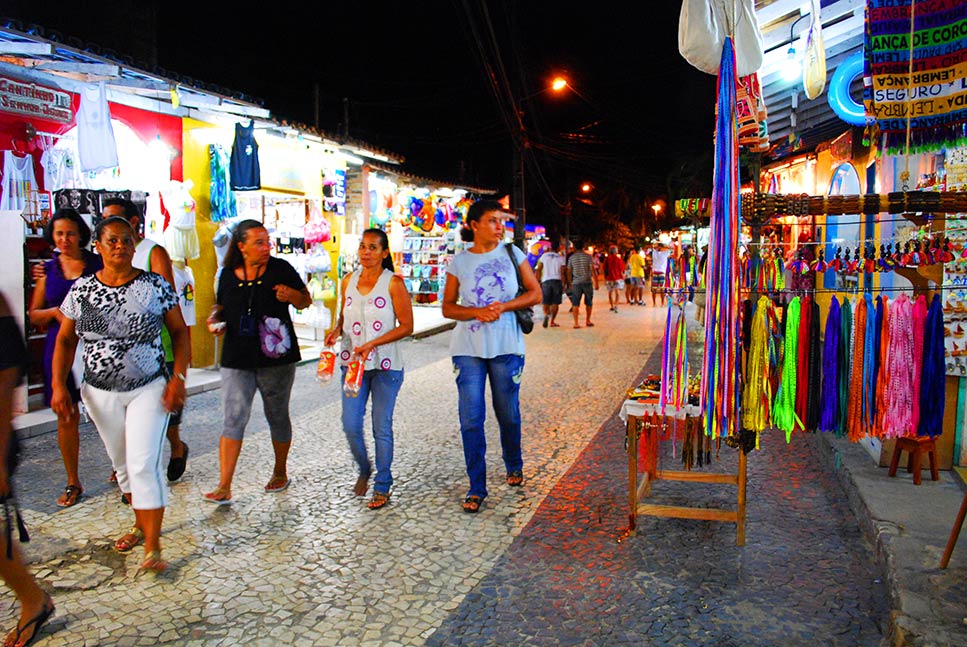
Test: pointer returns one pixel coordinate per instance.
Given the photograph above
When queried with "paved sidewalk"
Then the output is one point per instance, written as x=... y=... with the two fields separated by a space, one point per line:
x=539 y=565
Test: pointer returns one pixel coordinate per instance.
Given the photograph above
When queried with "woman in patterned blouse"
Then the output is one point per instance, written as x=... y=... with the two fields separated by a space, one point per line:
x=118 y=312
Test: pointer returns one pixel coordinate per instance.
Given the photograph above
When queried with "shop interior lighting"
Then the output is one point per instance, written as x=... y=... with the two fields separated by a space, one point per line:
x=792 y=69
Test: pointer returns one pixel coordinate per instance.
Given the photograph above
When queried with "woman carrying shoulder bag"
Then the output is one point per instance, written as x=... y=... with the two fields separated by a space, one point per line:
x=481 y=294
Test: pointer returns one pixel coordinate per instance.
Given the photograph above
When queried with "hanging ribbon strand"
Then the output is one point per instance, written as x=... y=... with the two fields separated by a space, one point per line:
x=784 y=410
x=932 y=386
x=720 y=386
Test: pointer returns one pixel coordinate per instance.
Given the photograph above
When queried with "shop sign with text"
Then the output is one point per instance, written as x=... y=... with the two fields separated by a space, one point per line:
x=35 y=100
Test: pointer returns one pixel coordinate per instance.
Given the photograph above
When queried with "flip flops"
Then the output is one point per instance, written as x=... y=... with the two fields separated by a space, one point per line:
x=72 y=494
x=37 y=622
x=277 y=483
x=218 y=496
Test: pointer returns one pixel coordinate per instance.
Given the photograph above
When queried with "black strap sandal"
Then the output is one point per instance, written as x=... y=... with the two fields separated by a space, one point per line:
x=37 y=622
x=515 y=479
x=472 y=504
x=71 y=495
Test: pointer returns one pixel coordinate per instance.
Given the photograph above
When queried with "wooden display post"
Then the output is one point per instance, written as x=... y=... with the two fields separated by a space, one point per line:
x=640 y=490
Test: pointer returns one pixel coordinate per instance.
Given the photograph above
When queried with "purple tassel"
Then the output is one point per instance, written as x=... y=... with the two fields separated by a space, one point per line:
x=829 y=416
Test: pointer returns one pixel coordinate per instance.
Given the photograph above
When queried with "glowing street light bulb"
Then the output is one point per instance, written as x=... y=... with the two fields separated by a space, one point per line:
x=585 y=188
x=559 y=83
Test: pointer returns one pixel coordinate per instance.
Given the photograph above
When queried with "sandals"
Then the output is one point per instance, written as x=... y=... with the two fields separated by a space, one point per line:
x=37 y=622
x=515 y=479
x=277 y=483
x=72 y=493
x=129 y=540
x=378 y=501
x=472 y=503
x=153 y=562
x=218 y=496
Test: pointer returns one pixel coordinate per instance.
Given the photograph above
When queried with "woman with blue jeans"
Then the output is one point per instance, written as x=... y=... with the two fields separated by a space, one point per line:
x=375 y=314
x=481 y=294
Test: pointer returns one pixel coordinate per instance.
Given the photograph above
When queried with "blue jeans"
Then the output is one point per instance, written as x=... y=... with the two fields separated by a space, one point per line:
x=505 y=373
x=384 y=387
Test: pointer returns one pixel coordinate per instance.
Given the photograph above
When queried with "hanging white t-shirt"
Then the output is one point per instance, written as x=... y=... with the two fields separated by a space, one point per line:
x=61 y=170
x=95 y=135
x=185 y=289
x=18 y=181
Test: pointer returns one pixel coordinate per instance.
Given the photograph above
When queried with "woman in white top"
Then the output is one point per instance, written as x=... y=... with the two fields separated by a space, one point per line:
x=488 y=342
x=375 y=313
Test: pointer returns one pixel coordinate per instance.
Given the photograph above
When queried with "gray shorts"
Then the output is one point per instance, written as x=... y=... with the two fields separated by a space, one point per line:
x=577 y=289
x=274 y=384
x=552 y=291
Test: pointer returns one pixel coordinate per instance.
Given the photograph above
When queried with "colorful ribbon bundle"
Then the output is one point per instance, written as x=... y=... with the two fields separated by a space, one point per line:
x=933 y=382
x=829 y=414
x=784 y=410
x=674 y=363
x=720 y=386
x=762 y=358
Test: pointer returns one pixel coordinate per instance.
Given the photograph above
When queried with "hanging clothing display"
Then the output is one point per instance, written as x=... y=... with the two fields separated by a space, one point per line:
x=181 y=238
x=96 y=146
x=222 y=200
x=244 y=172
x=61 y=170
x=18 y=181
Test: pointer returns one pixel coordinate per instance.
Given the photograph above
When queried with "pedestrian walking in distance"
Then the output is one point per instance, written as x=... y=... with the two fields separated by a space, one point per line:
x=487 y=342
x=374 y=315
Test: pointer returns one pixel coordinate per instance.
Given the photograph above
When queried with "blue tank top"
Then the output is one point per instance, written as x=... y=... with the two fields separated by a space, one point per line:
x=244 y=165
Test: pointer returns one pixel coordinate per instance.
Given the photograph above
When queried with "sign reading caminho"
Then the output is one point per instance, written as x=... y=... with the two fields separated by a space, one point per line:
x=35 y=100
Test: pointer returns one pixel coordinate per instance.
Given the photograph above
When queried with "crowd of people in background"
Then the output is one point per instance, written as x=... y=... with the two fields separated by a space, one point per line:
x=633 y=273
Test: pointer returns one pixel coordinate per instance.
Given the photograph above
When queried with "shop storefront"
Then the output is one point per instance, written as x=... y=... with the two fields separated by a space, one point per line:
x=422 y=220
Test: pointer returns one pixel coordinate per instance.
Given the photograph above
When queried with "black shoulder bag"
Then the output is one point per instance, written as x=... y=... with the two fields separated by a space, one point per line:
x=525 y=316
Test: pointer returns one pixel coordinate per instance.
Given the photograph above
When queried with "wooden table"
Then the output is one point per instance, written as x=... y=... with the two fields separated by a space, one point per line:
x=637 y=414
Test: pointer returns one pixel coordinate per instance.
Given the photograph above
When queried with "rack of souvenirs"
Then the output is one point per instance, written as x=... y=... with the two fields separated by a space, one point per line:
x=759 y=207
x=877 y=371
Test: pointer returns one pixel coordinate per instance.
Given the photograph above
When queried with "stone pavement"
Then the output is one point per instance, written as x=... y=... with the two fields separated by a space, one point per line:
x=539 y=565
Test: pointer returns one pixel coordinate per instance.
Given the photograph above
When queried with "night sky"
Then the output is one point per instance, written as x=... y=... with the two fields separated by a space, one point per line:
x=415 y=86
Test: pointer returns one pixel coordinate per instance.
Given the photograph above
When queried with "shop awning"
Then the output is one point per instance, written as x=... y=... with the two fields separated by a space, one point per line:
x=28 y=52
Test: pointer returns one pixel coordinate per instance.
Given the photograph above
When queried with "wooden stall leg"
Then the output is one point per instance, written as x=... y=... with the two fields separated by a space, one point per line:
x=740 y=508
x=915 y=457
x=954 y=534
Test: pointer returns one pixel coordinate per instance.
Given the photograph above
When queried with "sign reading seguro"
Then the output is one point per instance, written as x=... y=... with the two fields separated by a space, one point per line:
x=35 y=100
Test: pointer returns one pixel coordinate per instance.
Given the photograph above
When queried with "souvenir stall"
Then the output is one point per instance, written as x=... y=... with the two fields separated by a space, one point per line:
x=76 y=148
x=294 y=185
x=422 y=220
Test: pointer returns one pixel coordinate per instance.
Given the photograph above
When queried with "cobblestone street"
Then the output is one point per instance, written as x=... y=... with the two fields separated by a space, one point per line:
x=540 y=565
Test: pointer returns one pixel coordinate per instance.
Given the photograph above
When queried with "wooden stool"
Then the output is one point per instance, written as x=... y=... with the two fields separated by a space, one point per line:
x=915 y=447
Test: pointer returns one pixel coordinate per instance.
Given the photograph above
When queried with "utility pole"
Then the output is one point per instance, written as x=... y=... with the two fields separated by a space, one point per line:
x=345 y=117
x=315 y=102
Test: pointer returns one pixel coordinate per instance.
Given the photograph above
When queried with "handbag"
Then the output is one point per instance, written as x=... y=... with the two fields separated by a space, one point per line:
x=525 y=316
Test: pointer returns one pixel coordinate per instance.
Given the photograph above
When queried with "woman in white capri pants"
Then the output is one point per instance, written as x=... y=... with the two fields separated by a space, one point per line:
x=118 y=312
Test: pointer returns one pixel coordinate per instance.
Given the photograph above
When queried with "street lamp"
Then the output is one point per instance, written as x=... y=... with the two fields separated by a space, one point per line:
x=558 y=84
